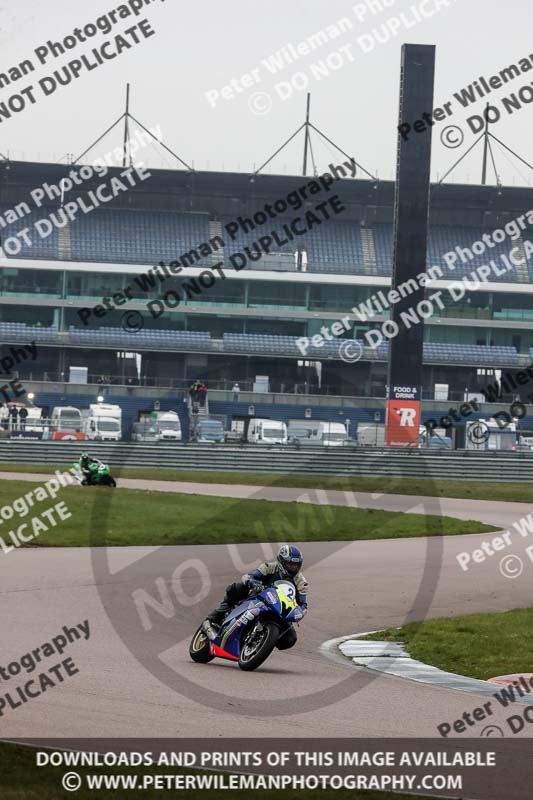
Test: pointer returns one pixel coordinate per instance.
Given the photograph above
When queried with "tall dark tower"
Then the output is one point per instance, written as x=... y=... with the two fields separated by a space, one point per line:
x=411 y=217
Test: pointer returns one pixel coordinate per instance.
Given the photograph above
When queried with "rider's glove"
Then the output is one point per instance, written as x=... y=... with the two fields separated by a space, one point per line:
x=254 y=585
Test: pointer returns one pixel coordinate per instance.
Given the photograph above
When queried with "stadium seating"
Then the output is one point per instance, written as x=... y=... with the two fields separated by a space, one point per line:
x=445 y=239
x=250 y=344
x=335 y=247
x=146 y=237
x=279 y=345
x=137 y=237
x=433 y=352
x=45 y=248
x=479 y=355
x=117 y=337
x=383 y=247
x=18 y=332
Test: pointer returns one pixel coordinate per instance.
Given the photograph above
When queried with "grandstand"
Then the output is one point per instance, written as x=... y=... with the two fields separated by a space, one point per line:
x=249 y=322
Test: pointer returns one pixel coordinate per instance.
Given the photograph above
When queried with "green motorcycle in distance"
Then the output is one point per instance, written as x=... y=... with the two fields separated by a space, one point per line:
x=97 y=474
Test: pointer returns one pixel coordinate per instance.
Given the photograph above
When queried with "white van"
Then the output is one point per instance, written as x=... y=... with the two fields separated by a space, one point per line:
x=169 y=425
x=209 y=430
x=486 y=434
x=267 y=431
x=330 y=434
x=66 y=419
x=371 y=435
x=145 y=431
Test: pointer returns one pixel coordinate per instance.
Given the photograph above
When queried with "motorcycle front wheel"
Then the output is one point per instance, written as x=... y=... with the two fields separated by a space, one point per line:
x=199 y=649
x=257 y=644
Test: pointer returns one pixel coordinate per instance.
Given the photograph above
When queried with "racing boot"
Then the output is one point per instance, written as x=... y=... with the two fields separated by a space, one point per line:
x=214 y=619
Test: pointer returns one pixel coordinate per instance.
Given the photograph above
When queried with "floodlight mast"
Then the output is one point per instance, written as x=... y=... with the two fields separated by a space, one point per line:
x=487 y=138
x=127 y=116
x=306 y=143
x=126 y=147
x=307 y=125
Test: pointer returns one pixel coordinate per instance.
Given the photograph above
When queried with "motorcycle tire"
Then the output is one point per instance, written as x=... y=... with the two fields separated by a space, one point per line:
x=249 y=662
x=199 y=648
x=111 y=482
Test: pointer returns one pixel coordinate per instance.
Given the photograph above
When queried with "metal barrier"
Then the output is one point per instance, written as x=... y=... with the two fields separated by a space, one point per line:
x=351 y=461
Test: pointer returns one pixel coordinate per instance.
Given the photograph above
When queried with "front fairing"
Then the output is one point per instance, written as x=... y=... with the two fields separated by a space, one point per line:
x=281 y=598
x=278 y=602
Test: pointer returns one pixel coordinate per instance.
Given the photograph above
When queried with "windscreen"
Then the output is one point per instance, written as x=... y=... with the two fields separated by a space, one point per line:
x=272 y=433
x=108 y=425
x=146 y=430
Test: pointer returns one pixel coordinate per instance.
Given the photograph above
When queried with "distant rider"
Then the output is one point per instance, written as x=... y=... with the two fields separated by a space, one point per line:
x=88 y=465
x=286 y=567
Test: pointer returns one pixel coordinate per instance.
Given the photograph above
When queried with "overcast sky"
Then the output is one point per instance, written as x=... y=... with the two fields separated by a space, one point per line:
x=199 y=47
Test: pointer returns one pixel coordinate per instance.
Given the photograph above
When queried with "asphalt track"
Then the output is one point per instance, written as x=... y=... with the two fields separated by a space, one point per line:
x=355 y=587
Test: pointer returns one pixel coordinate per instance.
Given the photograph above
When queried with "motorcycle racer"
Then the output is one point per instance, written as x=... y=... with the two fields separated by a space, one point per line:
x=286 y=567
x=88 y=465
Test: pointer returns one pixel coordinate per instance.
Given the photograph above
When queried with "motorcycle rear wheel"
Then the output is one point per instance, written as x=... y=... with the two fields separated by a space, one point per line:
x=254 y=653
x=199 y=648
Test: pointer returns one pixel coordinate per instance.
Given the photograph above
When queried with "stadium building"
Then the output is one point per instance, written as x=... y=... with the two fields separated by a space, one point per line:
x=228 y=276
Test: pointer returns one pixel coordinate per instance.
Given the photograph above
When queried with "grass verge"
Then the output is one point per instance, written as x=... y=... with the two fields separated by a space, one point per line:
x=478 y=646
x=20 y=779
x=140 y=517
x=472 y=490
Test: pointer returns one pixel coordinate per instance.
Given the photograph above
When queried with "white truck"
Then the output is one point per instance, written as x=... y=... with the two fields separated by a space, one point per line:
x=267 y=431
x=102 y=422
x=169 y=425
x=66 y=419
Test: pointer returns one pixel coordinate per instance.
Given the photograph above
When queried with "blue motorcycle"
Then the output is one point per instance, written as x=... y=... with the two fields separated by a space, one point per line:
x=250 y=631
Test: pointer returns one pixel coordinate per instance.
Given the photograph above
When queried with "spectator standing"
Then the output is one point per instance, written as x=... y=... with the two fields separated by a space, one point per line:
x=193 y=391
x=23 y=413
x=236 y=392
x=202 y=393
x=13 y=414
